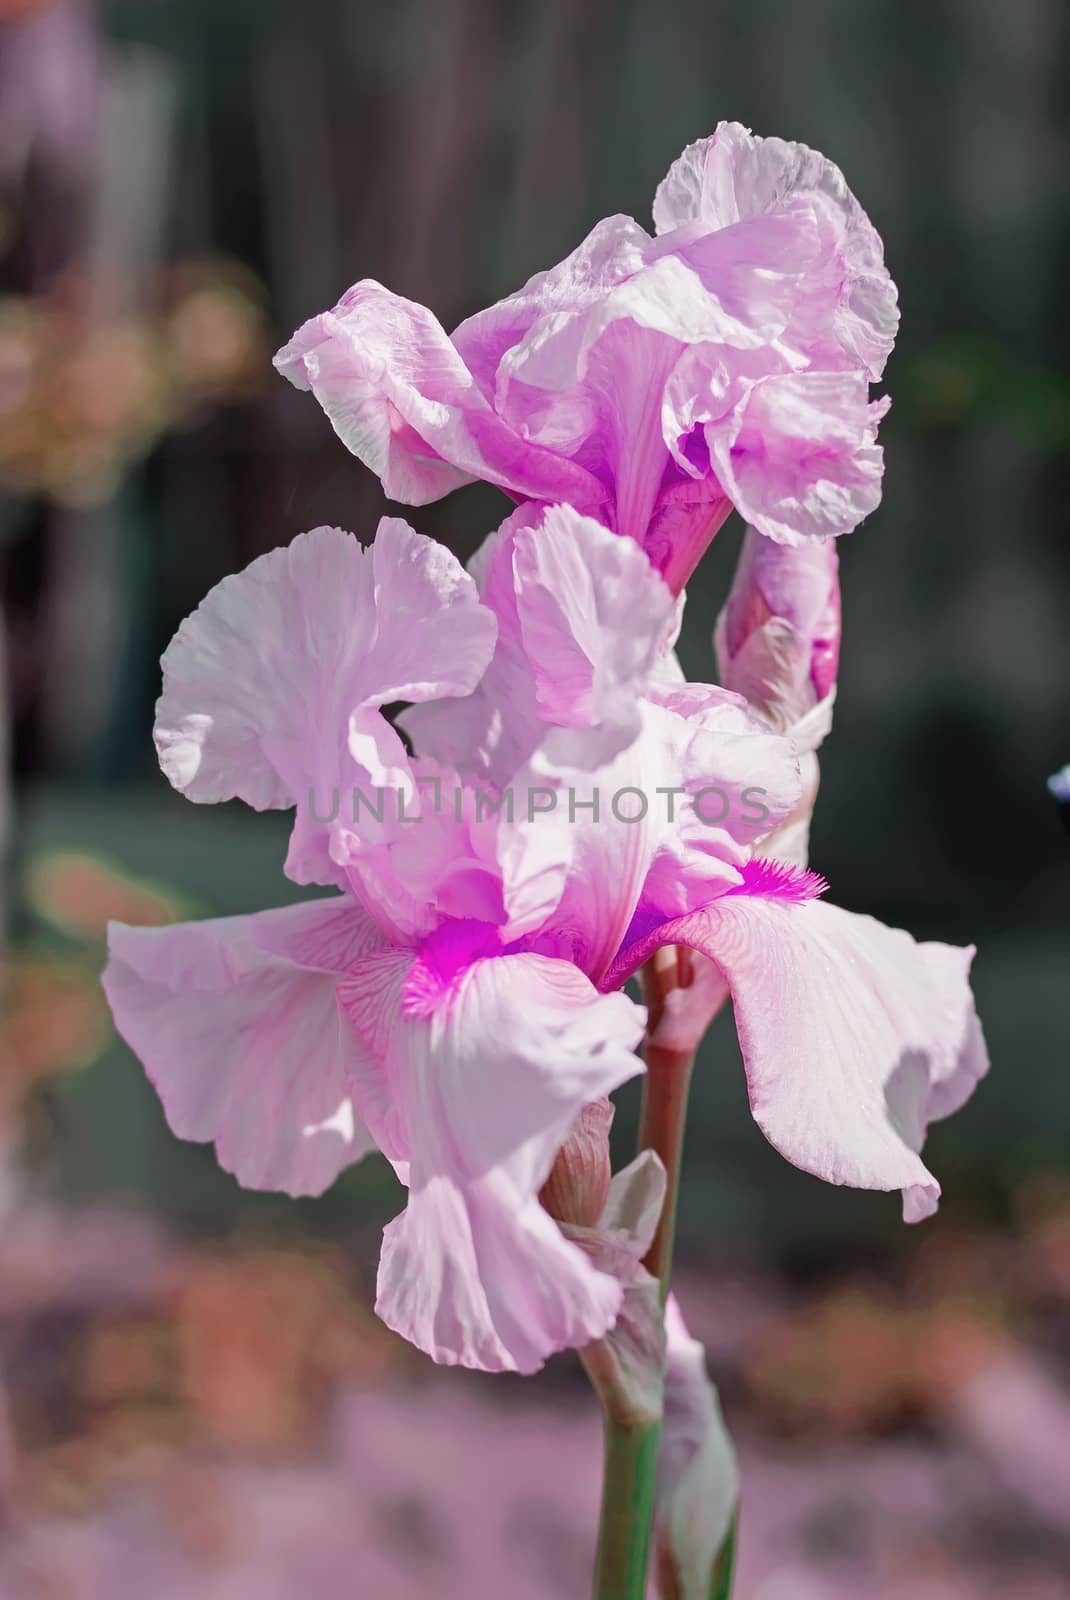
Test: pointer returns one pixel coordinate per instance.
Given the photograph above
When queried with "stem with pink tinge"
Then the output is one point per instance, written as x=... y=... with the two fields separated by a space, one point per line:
x=663 y=1115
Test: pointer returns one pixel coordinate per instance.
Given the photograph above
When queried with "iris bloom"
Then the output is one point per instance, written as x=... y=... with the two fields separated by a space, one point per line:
x=653 y=382
x=458 y=1002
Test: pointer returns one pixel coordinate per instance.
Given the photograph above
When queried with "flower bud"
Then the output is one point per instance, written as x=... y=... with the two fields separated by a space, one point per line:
x=778 y=645
x=578 y=1186
x=778 y=636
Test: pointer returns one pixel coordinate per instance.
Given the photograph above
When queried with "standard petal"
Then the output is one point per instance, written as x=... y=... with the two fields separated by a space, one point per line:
x=261 y=682
x=482 y=1071
x=594 y=618
x=433 y=638
x=798 y=456
x=493 y=731
x=854 y=1037
x=598 y=384
x=614 y=249
x=401 y=398
x=236 y=1023
x=583 y=623
x=734 y=176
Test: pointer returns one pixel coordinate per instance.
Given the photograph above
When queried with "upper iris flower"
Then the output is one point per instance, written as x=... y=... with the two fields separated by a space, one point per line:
x=653 y=382
x=458 y=1003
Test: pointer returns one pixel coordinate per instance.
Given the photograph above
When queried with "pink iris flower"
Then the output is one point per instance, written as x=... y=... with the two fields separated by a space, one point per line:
x=458 y=1002
x=652 y=382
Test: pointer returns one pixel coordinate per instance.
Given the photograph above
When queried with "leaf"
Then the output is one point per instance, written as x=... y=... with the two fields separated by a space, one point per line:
x=724 y=1566
x=698 y=1483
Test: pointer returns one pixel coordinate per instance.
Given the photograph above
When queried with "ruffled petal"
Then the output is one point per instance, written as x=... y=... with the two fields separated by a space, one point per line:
x=594 y=617
x=237 y=1025
x=433 y=638
x=591 y=385
x=493 y=731
x=400 y=397
x=798 y=456
x=583 y=623
x=854 y=1037
x=614 y=249
x=478 y=1075
x=262 y=681
x=733 y=176
x=615 y=357
x=600 y=384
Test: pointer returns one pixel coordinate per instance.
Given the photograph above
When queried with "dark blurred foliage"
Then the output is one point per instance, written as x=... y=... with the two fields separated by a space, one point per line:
x=181 y=183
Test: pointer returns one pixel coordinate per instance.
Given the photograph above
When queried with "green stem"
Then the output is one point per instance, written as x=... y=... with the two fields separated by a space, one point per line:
x=631 y=1446
x=631 y=1456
